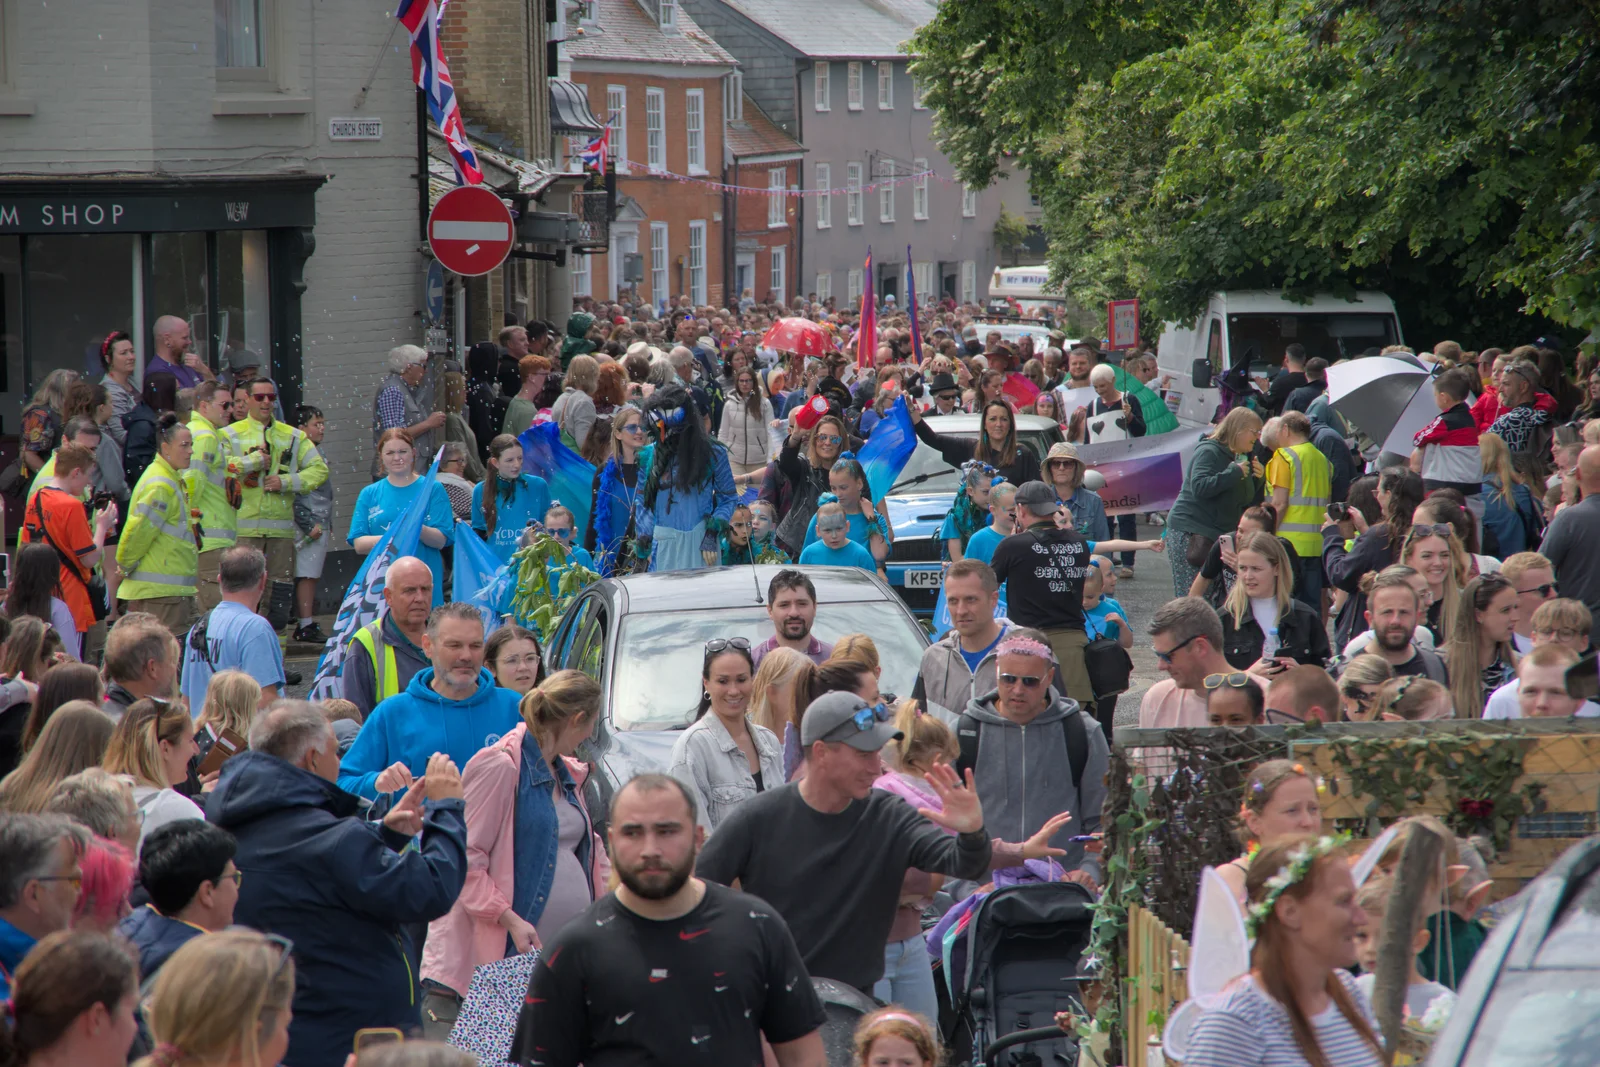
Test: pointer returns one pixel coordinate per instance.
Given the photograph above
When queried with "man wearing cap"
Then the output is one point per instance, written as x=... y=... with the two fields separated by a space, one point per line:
x=830 y=852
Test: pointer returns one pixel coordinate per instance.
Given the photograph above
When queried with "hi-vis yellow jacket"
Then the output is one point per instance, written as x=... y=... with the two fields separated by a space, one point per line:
x=291 y=456
x=157 y=552
x=206 y=482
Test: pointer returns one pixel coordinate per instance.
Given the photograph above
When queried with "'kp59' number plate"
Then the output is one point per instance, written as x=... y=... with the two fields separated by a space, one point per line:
x=928 y=578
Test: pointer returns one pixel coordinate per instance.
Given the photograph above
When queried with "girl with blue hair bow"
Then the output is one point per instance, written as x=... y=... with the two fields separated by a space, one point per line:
x=868 y=527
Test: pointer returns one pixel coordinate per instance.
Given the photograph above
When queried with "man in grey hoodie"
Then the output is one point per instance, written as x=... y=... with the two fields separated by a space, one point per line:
x=1019 y=742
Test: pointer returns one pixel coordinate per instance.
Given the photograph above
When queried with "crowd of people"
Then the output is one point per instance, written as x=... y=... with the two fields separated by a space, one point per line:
x=195 y=868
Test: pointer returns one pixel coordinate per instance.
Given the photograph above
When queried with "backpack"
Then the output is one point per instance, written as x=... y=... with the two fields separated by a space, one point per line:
x=139 y=449
x=969 y=734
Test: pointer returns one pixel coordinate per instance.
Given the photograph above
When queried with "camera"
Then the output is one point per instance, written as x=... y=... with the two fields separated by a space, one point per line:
x=100 y=500
x=1339 y=511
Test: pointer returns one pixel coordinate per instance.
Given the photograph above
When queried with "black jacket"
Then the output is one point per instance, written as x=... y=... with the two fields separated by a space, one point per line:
x=1300 y=634
x=1370 y=552
x=958 y=450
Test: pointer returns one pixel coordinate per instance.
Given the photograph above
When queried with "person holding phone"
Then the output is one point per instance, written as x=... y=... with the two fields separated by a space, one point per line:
x=1264 y=629
x=56 y=517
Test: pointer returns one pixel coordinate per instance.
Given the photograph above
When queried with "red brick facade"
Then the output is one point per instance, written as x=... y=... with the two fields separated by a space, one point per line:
x=757 y=235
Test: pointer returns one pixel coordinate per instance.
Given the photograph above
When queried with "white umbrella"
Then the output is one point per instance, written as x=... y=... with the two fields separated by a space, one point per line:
x=1383 y=397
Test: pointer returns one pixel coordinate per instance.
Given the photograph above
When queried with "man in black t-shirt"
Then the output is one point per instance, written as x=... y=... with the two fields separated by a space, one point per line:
x=1043 y=567
x=668 y=969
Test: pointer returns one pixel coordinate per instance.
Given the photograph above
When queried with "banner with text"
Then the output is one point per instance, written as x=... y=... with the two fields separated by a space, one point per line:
x=1142 y=473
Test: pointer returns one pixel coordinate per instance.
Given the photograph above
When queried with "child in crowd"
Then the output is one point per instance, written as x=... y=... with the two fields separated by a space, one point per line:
x=848 y=484
x=1373 y=897
x=740 y=544
x=1103 y=616
x=1453 y=903
x=895 y=1037
x=835 y=549
x=1002 y=523
x=313 y=518
x=1234 y=701
x=1412 y=699
x=560 y=524
x=970 y=512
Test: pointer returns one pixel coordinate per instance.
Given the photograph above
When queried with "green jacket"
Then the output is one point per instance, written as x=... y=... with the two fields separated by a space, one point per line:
x=1215 y=492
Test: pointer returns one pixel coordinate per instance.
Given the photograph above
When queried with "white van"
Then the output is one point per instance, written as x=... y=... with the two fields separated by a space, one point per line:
x=1254 y=326
x=1030 y=288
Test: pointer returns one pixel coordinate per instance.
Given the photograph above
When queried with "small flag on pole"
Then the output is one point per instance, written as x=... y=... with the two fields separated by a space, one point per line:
x=867 y=335
x=594 y=153
x=911 y=287
x=432 y=75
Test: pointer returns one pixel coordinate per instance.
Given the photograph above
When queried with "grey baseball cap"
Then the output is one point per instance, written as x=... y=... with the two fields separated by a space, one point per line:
x=1037 y=497
x=837 y=717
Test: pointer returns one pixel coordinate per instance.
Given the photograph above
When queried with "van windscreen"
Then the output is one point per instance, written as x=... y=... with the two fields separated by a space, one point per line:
x=1261 y=339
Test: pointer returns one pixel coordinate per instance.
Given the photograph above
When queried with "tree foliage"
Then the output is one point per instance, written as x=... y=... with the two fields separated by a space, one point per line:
x=1445 y=151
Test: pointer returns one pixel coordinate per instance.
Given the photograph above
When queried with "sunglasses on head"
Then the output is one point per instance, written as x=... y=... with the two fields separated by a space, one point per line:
x=722 y=644
x=1029 y=681
x=867 y=718
x=1443 y=529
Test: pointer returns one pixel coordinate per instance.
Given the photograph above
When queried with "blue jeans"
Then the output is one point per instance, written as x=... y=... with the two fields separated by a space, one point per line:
x=908 y=977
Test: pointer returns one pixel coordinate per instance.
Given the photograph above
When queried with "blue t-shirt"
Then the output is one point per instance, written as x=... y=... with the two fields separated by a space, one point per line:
x=530 y=499
x=975 y=658
x=381 y=504
x=859 y=531
x=237 y=639
x=851 y=554
x=1094 y=619
x=982 y=543
x=948 y=531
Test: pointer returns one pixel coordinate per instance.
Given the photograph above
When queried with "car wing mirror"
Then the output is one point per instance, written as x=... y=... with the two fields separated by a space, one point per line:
x=1200 y=375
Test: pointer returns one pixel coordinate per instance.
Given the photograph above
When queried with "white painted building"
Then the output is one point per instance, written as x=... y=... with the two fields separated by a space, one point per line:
x=176 y=157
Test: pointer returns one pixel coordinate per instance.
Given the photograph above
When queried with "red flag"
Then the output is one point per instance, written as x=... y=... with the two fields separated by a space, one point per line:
x=867 y=335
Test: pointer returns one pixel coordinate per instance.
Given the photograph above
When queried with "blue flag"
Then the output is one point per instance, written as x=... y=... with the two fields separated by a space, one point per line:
x=363 y=600
x=475 y=566
x=888 y=450
x=569 y=476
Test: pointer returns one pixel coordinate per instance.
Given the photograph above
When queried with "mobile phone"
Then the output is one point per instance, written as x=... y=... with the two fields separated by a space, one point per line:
x=374 y=1036
x=227 y=745
x=1339 y=510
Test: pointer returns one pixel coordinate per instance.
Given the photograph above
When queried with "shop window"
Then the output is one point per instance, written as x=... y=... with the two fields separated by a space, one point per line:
x=66 y=324
x=178 y=285
x=243 y=321
x=10 y=332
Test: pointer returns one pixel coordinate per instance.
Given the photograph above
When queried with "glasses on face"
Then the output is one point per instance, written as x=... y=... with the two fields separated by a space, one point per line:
x=1545 y=591
x=1166 y=657
x=1563 y=634
x=1233 y=680
x=722 y=644
x=633 y=427
x=74 y=880
x=263 y=398
x=1361 y=698
x=1282 y=718
x=829 y=439
x=515 y=661
x=236 y=877
x=1029 y=681
x=560 y=533
x=227 y=405
x=1442 y=529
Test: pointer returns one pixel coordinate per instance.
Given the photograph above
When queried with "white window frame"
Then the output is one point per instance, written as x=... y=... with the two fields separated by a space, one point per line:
x=822 y=90
x=780 y=273
x=733 y=96
x=655 y=129
x=853 y=206
x=885 y=85
x=777 y=197
x=658 y=262
x=919 y=95
x=886 y=192
x=969 y=203
x=617 y=105
x=250 y=72
x=582 y=284
x=824 y=285
x=852 y=282
x=919 y=190
x=853 y=86
x=667 y=14
x=824 y=186
x=922 y=275
x=696 y=262
x=694 y=123
x=969 y=281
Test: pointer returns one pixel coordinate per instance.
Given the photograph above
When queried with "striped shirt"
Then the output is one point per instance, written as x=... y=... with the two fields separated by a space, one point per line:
x=1250 y=1029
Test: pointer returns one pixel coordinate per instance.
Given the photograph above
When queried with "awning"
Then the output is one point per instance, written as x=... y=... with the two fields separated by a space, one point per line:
x=569 y=109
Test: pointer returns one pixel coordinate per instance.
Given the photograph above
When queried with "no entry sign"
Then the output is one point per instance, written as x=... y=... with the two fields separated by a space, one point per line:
x=470 y=230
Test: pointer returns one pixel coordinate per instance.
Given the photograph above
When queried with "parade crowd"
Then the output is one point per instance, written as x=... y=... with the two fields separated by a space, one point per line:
x=196 y=869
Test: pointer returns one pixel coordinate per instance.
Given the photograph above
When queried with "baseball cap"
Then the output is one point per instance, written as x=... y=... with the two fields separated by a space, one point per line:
x=847 y=718
x=1037 y=497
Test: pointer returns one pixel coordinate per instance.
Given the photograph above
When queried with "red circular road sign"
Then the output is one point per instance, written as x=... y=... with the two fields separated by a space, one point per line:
x=470 y=230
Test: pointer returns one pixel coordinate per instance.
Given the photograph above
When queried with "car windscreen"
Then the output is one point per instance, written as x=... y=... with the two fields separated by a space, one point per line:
x=927 y=472
x=1541 y=1018
x=655 y=679
x=1336 y=336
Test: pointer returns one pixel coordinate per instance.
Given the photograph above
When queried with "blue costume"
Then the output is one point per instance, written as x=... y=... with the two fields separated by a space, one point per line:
x=381 y=503
x=529 y=499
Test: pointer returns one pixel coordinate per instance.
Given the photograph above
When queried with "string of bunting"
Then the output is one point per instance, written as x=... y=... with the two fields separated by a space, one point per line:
x=638 y=169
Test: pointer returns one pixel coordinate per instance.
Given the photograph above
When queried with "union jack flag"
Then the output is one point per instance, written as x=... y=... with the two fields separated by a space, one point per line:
x=432 y=75
x=594 y=153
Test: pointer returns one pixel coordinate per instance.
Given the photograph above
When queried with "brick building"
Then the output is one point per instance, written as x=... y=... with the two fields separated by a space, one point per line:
x=766 y=234
x=663 y=85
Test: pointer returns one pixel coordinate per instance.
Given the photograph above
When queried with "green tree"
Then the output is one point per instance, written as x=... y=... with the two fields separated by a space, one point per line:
x=1010 y=231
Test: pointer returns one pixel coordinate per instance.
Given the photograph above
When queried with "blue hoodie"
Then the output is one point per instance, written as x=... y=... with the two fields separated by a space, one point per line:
x=343 y=890
x=155 y=936
x=413 y=725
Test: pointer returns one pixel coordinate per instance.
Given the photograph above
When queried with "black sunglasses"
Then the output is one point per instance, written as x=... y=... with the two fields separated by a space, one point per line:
x=1166 y=657
x=1546 y=590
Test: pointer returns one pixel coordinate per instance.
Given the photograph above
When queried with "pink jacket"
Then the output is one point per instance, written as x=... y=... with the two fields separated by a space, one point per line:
x=471 y=934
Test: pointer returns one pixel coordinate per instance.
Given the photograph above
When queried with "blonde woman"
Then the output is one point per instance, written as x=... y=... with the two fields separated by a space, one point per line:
x=574 y=410
x=1264 y=629
x=1510 y=513
x=1358 y=686
x=524 y=790
x=42 y=420
x=772 y=693
x=154 y=743
x=1435 y=552
x=232 y=698
x=223 y=1000
x=1479 y=655
x=1220 y=483
x=74 y=739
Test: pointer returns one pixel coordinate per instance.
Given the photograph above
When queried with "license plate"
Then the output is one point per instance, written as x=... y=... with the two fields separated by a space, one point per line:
x=924 y=579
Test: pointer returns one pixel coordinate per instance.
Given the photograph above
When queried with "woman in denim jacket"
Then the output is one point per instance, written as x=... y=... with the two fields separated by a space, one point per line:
x=534 y=861
x=724 y=757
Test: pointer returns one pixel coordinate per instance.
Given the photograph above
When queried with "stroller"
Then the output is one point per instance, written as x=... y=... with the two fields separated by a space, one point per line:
x=1022 y=966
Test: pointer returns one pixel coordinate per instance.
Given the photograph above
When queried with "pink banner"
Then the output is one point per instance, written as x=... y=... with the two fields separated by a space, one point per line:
x=1141 y=473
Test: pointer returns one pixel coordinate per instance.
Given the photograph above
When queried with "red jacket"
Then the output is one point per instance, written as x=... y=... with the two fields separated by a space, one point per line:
x=1488 y=408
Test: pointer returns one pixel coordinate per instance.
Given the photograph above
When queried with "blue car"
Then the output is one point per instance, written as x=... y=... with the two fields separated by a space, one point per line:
x=919 y=501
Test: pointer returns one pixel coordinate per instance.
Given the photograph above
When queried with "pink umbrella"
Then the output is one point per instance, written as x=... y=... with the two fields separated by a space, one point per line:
x=797 y=335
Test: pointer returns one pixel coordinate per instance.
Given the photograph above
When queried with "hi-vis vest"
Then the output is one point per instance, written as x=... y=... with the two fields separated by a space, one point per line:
x=1309 y=494
x=385 y=672
x=157 y=552
x=291 y=456
x=206 y=481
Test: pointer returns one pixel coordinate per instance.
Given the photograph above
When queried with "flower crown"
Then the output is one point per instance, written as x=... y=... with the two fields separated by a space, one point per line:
x=1301 y=860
